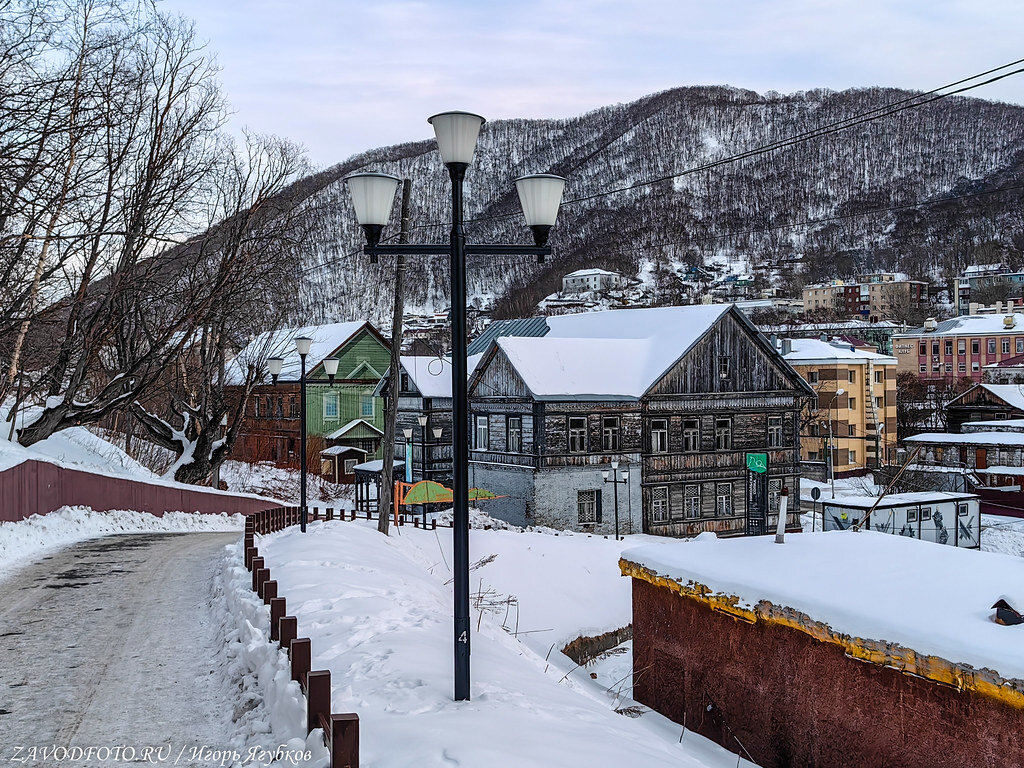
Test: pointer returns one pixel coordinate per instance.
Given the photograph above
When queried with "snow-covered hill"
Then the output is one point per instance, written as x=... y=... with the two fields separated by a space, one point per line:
x=735 y=218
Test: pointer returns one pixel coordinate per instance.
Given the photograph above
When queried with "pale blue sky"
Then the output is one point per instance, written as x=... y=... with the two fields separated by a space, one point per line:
x=341 y=76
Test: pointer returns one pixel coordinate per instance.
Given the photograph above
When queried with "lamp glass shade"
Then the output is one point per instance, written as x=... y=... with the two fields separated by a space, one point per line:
x=456 y=134
x=373 y=197
x=408 y=433
x=274 y=365
x=604 y=475
x=615 y=464
x=302 y=345
x=331 y=365
x=625 y=475
x=540 y=196
x=422 y=420
x=437 y=433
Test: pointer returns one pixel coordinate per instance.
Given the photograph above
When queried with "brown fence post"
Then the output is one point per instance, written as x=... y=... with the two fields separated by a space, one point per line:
x=269 y=591
x=288 y=630
x=318 y=698
x=277 y=612
x=251 y=553
x=301 y=652
x=257 y=563
x=345 y=741
x=329 y=514
x=262 y=577
x=433 y=524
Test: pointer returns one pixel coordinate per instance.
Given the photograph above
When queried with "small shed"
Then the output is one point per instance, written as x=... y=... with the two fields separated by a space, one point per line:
x=338 y=463
x=943 y=518
x=833 y=649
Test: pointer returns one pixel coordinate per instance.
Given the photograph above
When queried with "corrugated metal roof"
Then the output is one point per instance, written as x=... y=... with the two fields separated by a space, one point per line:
x=522 y=327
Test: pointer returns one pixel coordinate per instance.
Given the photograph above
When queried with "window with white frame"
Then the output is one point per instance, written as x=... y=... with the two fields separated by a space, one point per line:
x=350 y=466
x=926 y=513
x=723 y=434
x=774 y=431
x=577 y=434
x=723 y=499
x=1006 y=346
x=514 y=436
x=483 y=434
x=586 y=506
x=691 y=501
x=659 y=435
x=330 y=405
x=961 y=346
x=659 y=504
x=1020 y=346
x=879 y=377
x=911 y=515
x=366 y=406
x=610 y=433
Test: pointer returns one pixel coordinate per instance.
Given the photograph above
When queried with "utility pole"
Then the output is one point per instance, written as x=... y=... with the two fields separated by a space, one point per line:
x=387 y=485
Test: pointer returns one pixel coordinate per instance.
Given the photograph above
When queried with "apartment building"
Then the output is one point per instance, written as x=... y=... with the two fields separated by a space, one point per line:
x=958 y=348
x=856 y=395
x=876 y=296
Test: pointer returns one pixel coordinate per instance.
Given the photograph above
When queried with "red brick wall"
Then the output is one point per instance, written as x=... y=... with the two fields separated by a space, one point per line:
x=37 y=487
x=794 y=701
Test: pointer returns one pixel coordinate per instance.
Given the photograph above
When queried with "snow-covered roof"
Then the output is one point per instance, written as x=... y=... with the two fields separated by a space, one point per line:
x=1012 y=394
x=1017 y=361
x=334 y=450
x=971 y=325
x=431 y=375
x=616 y=354
x=376 y=465
x=931 y=598
x=968 y=438
x=817 y=352
x=281 y=343
x=1010 y=424
x=340 y=433
x=592 y=272
x=859 y=325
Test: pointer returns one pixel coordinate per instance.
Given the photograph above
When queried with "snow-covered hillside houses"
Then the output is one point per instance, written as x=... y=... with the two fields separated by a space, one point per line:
x=680 y=397
x=587 y=280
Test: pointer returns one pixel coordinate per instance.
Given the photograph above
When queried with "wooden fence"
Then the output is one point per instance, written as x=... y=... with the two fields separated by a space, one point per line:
x=38 y=488
x=341 y=731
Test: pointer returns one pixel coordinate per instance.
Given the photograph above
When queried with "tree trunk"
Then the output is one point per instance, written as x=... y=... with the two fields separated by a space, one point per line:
x=387 y=485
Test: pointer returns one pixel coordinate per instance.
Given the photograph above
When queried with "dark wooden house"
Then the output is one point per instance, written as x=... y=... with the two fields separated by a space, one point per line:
x=985 y=402
x=683 y=399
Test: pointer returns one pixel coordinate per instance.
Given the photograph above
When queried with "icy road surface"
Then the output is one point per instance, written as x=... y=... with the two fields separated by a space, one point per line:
x=113 y=642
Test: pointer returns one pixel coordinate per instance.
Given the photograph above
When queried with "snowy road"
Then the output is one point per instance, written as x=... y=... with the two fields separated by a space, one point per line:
x=112 y=642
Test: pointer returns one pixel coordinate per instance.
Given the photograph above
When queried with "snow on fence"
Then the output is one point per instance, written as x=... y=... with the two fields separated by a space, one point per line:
x=341 y=731
x=39 y=487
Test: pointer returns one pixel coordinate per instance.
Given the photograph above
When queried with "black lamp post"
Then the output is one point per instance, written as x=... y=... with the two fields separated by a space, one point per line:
x=422 y=419
x=615 y=487
x=302 y=345
x=373 y=197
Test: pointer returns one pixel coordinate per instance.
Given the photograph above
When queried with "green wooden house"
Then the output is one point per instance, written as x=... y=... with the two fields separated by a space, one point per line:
x=343 y=415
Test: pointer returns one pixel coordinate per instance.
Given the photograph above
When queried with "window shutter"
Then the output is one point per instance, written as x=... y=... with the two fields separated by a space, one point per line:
x=600 y=494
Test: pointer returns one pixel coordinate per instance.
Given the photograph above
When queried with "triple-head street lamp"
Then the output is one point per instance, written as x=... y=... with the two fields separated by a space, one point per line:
x=540 y=196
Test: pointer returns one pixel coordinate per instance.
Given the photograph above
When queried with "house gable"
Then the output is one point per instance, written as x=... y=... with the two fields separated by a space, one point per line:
x=362 y=357
x=751 y=365
x=497 y=377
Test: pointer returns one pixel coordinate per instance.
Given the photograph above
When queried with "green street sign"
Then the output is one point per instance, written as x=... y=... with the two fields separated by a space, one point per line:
x=757 y=462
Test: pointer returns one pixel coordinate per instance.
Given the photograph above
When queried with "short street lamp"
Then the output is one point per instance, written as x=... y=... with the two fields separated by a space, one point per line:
x=373 y=197
x=422 y=419
x=615 y=488
x=302 y=345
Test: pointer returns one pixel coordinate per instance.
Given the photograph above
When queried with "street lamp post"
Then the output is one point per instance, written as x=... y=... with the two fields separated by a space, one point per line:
x=615 y=488
x=373 y=197
x=422 y=419
x=302 y=345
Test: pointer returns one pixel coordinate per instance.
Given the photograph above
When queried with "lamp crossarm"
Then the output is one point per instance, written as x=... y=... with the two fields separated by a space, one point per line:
x=443 y=249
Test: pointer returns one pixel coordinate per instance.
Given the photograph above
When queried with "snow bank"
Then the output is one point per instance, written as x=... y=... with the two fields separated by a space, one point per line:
x=28 y=539
x=932 y=598
x=378 y=612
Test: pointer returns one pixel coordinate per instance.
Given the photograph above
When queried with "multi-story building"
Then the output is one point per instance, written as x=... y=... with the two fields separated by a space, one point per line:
x=693 y=403
x=345 y=414
x=586 y=280
x=876 y=296
x=971 y=285
x=949 y=350
x=856 y=394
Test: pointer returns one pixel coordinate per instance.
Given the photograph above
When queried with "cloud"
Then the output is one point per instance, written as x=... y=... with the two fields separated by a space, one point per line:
x=346 y=76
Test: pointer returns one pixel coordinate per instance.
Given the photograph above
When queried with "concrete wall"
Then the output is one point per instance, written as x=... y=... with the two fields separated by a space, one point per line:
x=37 y=488
x=514 y=484
x=795 y=702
